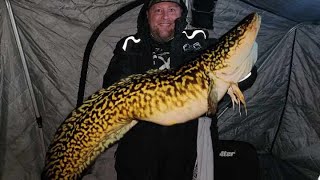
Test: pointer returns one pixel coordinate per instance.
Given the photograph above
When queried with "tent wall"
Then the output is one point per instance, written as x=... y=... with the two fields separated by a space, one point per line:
x=284 y=93
x=19 y=145
x=299 y=134
x=54 y=35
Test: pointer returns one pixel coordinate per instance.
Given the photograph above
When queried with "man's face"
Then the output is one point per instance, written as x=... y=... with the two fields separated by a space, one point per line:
x=161 y=18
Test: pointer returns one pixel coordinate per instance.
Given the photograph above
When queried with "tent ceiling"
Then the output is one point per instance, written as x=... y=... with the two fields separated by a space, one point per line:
x=296 y=10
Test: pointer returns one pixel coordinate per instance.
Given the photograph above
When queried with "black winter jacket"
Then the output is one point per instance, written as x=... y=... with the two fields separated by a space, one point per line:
x=133 y=54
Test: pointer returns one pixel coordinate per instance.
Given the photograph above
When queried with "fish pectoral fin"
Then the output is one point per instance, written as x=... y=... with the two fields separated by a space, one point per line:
x=236 y=96
x=117 y=133
x=212 y=99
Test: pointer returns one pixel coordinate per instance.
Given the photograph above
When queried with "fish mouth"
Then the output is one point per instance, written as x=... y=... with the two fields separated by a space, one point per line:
x=257 y=20
x=254 y=21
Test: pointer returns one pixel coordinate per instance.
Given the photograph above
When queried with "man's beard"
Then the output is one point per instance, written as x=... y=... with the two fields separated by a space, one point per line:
x=156 y=35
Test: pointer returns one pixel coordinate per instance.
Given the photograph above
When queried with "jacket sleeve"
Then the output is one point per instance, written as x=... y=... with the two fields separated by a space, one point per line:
x=118 y=67
x=243 y=85
x=248 y=82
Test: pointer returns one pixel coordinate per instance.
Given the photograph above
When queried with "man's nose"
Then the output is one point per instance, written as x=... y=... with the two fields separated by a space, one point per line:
x=165 y=15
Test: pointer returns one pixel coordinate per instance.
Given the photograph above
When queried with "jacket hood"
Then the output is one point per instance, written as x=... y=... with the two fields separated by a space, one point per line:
x=152 y=2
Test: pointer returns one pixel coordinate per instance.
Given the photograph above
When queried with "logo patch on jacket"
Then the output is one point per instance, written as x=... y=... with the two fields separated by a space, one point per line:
x=191 y=47
x=194 y=37
x=227 y=154
x=161 y=58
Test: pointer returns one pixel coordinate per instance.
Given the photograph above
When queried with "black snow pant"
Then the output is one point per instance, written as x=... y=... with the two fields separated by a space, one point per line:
x=153 y=152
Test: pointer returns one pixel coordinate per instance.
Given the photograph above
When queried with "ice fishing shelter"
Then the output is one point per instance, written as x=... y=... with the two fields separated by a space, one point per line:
x=42 y=44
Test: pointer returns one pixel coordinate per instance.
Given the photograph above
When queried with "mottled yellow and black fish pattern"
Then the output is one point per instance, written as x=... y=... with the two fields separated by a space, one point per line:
x=164 y=97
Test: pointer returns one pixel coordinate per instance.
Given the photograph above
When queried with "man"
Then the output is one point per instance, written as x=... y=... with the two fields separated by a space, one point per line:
x=150 y=151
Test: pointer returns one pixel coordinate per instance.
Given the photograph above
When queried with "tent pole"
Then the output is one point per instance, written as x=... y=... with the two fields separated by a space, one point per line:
x=27 y=75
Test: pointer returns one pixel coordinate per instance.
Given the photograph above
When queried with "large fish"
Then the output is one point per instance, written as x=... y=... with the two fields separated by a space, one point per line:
x=164 y=97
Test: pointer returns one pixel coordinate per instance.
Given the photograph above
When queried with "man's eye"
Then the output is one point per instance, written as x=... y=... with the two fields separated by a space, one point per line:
x=172 y=10
x=157 y=10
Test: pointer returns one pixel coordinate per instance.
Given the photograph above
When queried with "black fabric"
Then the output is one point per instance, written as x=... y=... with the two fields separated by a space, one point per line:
x=152 y=2
x=202 y=13
x=202 y=19
x=236 y=160
x=137 y=57
x=161 y=55
x=154 y=152
x=247 y=83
